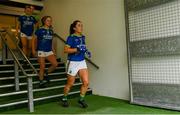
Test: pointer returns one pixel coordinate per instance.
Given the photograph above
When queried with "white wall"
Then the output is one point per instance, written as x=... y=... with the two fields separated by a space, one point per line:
x=104 y=27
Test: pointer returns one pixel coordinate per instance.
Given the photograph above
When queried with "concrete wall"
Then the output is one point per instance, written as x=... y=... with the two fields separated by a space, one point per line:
x=104 y=27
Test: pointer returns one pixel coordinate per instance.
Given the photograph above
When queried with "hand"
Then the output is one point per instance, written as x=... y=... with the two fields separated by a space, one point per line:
x=16 y=34
x=88 y=54
x=81 y=48
x=54 y=52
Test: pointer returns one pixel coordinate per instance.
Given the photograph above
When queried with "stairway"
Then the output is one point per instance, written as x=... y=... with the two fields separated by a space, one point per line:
x=11 y=99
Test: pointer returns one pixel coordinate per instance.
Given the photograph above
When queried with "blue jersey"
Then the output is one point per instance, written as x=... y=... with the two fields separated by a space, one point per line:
x=44 y=39
x=27 y=24
x=73 y=41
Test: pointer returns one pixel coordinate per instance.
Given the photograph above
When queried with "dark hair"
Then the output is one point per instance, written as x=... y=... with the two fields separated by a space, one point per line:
x=72 y=26
x=27 y=6
x=31 y=6
x=43 y=19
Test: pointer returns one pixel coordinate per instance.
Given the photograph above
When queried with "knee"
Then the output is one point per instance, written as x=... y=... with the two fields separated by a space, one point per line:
x=69 y=85
x=42 y=66
x=55 y=65
x=86 y=83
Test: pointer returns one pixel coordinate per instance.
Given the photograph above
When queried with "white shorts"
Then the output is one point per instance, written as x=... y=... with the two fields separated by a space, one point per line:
x=44 y=54
x=24 y=35
x=73 y=67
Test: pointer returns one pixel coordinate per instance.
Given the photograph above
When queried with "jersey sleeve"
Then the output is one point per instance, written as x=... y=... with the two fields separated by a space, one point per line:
x=20 y=18
x=37 y=33
x=35 y=21
x=69 y=41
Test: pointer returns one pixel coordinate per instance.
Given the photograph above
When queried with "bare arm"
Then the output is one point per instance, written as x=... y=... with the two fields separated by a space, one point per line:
x=34 y=45
x=54 y=46
x=69 y=50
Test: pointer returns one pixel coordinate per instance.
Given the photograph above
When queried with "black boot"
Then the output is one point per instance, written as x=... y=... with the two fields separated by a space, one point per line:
x=65 y=102
x=46 y=77
x=42 y=84
x=83 y=104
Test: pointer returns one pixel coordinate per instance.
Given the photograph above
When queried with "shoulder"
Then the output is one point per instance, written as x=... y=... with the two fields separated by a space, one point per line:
x=33 y=17
x=22 y=17
x=71 y=36
x=40 y=30
x=51 y=30
x=75 y=36
x=83 y=36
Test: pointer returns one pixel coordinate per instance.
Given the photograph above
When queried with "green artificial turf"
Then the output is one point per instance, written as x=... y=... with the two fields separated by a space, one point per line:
x=97 y=105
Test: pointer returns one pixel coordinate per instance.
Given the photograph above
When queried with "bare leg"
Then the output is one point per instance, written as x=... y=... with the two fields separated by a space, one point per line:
x=41 y=61
x=83 y=73
x=54 y=63
x=24 y=45
x=29 y=48
x=70 y=82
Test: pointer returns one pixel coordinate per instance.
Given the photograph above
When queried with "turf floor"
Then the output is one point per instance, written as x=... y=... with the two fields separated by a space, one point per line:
x=97 y=105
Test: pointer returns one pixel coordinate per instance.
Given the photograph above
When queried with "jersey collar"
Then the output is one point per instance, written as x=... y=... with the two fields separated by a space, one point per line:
x=45 y=28
x=27 y=15
x=77 y=35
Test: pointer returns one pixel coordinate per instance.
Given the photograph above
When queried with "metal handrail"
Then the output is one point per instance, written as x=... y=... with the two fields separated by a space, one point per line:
x=13 y=55
x=89 y=60
x=22 y=53
x=29 y=76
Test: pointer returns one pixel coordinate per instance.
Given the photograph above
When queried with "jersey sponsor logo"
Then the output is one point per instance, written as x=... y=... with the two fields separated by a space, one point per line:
x=47 y=37
x=43 y=32
x=76 y=40
x=26 y=23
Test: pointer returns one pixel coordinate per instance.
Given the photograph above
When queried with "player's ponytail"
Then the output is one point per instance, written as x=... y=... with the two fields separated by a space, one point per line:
x=72 y=26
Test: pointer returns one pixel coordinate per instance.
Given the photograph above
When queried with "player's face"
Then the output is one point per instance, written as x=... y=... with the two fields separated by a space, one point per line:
x=48 y=22
x=79 y=27
x=32 y=9
x=28 y=11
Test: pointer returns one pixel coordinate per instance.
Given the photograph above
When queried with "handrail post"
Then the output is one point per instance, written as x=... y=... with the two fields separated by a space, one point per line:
x=4 y=52
x=30 y=94
x=29 y=77
x=16 y=75
x=4 y=48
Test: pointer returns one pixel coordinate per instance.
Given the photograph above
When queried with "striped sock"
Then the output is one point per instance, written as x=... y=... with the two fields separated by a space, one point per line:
x=81 y=97
x=64 y=98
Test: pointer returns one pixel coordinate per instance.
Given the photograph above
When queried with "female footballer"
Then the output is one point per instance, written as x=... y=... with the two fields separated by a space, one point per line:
x=26 y=24
x=43 y=44
x=76 y=50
